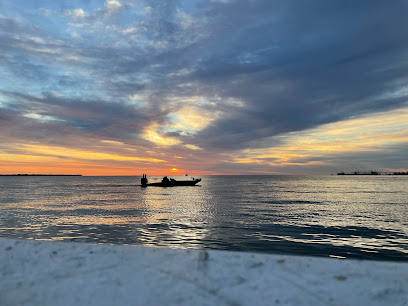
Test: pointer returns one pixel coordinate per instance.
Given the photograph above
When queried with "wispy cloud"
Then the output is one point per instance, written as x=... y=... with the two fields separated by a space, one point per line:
x=228 y=79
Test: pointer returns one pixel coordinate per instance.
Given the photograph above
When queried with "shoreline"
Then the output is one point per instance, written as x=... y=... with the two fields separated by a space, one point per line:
x=68 y=273
x=40 y=174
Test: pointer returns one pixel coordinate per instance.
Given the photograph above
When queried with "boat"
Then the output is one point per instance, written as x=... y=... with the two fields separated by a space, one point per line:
x=166 y=182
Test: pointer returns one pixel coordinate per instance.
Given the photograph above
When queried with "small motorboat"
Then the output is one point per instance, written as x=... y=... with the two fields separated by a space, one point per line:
x=166 y=182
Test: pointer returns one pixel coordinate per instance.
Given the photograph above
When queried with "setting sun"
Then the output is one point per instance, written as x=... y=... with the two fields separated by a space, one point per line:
x=271 y=110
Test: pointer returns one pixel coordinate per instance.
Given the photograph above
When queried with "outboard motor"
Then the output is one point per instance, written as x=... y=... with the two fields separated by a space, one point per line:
x=144 y=180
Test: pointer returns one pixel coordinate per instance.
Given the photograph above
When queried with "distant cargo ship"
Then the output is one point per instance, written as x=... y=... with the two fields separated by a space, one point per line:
x=359 y=173
x=372 y=173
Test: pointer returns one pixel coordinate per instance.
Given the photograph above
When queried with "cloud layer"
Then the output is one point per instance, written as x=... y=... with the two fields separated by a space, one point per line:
x=198 y=84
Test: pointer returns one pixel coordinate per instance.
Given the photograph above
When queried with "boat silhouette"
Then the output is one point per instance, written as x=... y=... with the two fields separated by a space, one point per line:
x=166 y=182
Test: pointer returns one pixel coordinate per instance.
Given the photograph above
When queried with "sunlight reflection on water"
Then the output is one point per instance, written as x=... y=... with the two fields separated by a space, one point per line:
x=352 y=217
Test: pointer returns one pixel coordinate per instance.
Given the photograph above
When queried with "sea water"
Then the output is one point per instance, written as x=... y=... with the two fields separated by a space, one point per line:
x=364 y=217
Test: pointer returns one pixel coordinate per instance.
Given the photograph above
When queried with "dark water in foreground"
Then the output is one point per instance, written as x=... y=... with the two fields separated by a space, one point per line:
x=362 y=217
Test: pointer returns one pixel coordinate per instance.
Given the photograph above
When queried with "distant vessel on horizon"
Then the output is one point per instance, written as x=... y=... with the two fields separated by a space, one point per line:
x=372 y=173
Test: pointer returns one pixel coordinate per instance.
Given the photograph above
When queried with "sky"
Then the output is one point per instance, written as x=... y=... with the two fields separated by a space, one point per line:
x=122 y=87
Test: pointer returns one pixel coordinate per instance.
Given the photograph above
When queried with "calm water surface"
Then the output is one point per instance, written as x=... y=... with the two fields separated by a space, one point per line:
x=348 y=217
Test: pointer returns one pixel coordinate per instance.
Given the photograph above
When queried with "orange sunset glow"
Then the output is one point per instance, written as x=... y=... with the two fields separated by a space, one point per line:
x=104 y=88
x=309 y=148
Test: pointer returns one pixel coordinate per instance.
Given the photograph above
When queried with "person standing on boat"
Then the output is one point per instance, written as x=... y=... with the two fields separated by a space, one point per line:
x=144 y=180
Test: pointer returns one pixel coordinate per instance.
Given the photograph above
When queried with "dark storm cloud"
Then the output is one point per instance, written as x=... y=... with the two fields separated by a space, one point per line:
x=294 y=65
x=301 y=64
x=62 y=116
